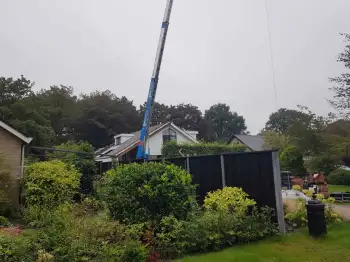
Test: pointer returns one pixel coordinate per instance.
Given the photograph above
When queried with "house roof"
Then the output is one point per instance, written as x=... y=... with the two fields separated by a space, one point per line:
x=254 y=143
x=14 y=132
x=134 y=140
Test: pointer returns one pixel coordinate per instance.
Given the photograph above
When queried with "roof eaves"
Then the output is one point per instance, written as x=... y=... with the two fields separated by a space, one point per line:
x=131 y=146
x=14 y=132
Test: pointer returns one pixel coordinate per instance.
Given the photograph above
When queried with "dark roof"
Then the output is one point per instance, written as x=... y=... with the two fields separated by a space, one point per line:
x=128 y=142
x=254 y=143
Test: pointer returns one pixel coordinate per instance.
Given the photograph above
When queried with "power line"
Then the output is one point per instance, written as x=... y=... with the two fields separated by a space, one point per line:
x=271 y=53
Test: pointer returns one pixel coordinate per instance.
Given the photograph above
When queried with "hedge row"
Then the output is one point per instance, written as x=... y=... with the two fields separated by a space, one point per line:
x=172 y=149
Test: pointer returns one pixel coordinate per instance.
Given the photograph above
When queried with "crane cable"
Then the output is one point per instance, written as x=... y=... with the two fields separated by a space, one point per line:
x=271 y=53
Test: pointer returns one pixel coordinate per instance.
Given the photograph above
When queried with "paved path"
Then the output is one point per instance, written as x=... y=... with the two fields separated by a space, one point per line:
x=343 y=210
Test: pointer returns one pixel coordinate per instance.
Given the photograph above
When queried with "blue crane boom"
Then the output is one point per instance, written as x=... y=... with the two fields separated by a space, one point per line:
x=141 y=150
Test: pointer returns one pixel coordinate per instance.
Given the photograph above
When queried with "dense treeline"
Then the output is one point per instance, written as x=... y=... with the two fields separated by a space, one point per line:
x=56 y=115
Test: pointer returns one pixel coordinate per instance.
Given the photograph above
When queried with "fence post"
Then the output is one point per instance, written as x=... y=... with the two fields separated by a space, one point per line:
x=278 y=191
x=223 y=178
x=188 y=164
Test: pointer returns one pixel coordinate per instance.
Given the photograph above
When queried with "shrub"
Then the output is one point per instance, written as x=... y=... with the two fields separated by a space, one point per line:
x=325 y=163
x=49 y=184
x=16 y=249
x=292 y=160
x=339 y=177
x=4 y=221
x=298 y=218
x=297 y=188
x=137 y=193
x=85 y=164
x=228 y=199
x=67 y=236
x=211 y=231
x=172 y=149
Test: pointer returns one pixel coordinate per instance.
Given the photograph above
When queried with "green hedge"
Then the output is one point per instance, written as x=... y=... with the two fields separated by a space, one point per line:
x=172 y=149
x=49 y=184
x=137 y=193
x=339 y=177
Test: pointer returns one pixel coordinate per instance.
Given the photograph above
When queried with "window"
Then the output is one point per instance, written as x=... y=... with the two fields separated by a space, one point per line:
x=118 y=141
x=169 y=135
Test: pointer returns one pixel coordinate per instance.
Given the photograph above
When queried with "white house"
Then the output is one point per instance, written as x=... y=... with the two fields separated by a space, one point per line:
x=124 y=147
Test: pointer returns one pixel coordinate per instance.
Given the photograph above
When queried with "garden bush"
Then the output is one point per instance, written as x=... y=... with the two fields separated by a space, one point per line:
x=83 y=163
x=292 y=160
x=68 y=236
x=339 y=177
x=49 y=184
x=211 y=231
x=297 y=188
x=137 y=193
x=231 y=199
x=4 y=222
x=298 y=218
x=173 y=149
x=16 y=249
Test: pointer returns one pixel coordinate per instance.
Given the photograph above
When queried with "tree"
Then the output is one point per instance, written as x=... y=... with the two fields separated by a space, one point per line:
x=339 y=127
x=302 y=127
x=60 y=105
x=186 y=116
x=275 y=141
x=160 y=113
x=224 y=122
x=18 y=108
x=103 y=115
x=11 y=91
x=282 y=120
x=82 y=159
x=341 y=88
x=292 y=160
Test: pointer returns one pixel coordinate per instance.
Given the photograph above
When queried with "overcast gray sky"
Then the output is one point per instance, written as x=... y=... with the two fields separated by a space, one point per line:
x=217 y=50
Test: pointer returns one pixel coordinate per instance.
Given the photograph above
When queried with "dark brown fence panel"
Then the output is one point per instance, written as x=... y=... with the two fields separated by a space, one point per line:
x=180 y=162
x=254 y=173
x=206 y=173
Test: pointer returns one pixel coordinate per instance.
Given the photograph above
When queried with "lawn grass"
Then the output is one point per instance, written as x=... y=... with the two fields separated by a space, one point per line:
x=293 y=247
x=336 y=188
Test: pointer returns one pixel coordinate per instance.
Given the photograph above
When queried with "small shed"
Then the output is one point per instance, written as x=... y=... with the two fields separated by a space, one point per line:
x=12 y=148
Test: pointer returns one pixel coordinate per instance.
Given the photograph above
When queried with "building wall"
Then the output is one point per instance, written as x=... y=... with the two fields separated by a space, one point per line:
x=235 y=141
x=10 y=148
x=155 y=142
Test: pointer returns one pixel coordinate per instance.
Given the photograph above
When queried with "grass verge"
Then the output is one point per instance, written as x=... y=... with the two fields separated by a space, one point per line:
x=337 y=188
x=289 y=248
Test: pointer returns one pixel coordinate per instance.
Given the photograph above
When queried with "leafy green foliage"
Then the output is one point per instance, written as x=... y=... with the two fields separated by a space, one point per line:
x=83 y=238
x=228 y=199
x=298 y=218
x=16 y=249
x=211 y=231
x=68 y=236
x=5 y=187
x=341 y=86
x=275 y=141
x=297 y=188
x=172 y=149
x=324 y=163
x=137 y=193
x=84 y=163
x=292 y=160
x=4 y=221
x=339 y=177
x=224 y=122
x=49 y=184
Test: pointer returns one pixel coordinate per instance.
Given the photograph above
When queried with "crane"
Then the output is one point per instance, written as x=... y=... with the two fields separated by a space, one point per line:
x=141 y=149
